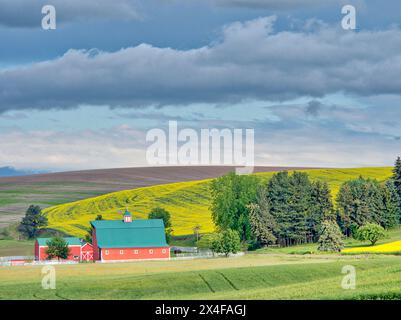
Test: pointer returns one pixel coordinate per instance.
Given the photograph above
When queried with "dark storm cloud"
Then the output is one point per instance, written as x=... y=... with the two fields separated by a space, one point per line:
x=28 y=13
x=250 y=61
x=313 y=108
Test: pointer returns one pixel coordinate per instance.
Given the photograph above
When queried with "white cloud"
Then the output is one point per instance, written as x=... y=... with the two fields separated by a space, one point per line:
x=120 y=146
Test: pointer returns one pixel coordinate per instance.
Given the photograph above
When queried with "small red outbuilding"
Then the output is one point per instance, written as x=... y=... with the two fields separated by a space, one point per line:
x=74 y=245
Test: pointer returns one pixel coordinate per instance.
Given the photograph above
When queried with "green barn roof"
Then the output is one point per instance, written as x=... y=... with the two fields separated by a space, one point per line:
x=135 y=234
x=70 y=240
x=127 y=213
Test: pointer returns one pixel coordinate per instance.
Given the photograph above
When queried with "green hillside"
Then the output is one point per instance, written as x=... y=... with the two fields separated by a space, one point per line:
x=188 y=202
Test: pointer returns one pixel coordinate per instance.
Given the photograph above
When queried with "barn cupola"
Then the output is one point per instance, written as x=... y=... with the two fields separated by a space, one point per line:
x=127 y=216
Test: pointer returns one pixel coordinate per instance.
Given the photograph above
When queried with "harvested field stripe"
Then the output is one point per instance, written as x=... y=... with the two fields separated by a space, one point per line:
x=207 y=283
x=228 y=281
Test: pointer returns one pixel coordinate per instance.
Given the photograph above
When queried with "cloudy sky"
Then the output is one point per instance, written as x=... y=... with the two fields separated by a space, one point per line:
x=84 y=95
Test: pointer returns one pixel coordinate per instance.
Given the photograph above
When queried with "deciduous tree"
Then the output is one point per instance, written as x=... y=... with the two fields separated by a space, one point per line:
x=231 y=195
x=370 y=232
x=58 y=248
x=228 y=241
x=161 y=213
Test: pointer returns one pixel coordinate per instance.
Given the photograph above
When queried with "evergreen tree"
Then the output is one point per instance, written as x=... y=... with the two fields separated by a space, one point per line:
x=391 y=200
x=279 y=195
x=32 y=222
x=330 y=238
x=299 y=207
x=262 y=222
x=397 y=177
x=360 y=201
x=321 y=208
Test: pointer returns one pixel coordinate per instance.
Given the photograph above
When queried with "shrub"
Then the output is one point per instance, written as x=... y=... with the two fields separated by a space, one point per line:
x=330 y=237
x=226 y=242
x=370 y=232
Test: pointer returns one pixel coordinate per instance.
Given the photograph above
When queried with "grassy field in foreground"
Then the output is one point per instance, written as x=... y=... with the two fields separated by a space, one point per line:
x=188 y=202
x=247 y=277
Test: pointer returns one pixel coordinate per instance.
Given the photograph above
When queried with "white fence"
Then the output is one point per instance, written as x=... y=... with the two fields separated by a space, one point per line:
x=10 y=258
x=28 y=261
x=205 y=254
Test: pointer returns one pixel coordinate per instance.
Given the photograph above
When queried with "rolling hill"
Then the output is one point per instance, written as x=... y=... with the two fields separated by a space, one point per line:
x=45 y=190
x=188 y=201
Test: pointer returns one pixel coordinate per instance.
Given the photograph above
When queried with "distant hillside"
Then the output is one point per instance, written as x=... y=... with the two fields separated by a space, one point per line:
x=12 y=172
x=17 y=193
x=188 y=202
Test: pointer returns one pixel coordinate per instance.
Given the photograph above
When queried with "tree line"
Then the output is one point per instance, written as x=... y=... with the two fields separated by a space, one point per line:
x=292 y=209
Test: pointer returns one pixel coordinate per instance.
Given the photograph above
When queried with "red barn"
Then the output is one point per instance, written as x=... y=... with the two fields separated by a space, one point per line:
x=127 y=239
x=87 y=252
x=74 y=245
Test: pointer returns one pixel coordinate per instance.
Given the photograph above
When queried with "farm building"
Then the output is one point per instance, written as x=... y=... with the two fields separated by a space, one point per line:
x=75 y=245
x=87 y=252
x=127 y=239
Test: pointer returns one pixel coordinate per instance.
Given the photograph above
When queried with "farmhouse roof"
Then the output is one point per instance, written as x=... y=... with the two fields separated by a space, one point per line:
x=127 y=213
x=70 y=240
x=137 y=234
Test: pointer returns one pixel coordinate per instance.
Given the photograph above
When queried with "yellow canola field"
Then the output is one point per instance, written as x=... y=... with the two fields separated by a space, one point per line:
x=188 y=202
x=391 y=247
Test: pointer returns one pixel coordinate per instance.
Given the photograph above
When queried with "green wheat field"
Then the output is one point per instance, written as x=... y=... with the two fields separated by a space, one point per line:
x=253 y=276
